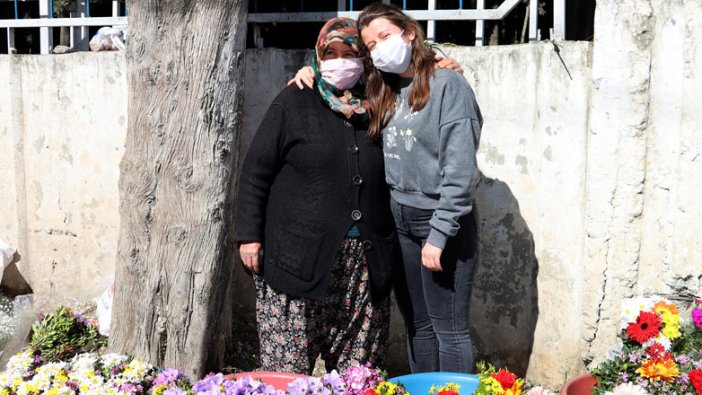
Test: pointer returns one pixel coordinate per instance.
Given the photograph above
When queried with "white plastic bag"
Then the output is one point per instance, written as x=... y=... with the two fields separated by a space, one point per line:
x=104 y=310
x=109 y=39
x=7 y=255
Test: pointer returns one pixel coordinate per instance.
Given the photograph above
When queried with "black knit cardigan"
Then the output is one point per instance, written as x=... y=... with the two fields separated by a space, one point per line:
x=308 y=176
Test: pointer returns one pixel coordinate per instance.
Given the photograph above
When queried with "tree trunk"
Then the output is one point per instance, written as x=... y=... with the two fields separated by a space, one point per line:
x=173 y=297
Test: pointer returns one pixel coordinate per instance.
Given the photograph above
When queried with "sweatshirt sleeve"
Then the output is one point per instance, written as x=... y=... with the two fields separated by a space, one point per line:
x=261 y=165
x=459 y=136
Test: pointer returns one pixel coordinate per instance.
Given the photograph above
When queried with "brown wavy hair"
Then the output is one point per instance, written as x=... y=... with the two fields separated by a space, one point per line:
x=382 y=87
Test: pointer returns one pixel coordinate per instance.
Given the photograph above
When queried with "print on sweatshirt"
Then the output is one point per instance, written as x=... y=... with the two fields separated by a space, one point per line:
x=407 y=135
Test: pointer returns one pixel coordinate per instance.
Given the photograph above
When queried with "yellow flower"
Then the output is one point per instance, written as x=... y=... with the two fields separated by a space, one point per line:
x=671 y=331
x=386 y=387
x=493 y=386
x=60 y=377
x=662 y=369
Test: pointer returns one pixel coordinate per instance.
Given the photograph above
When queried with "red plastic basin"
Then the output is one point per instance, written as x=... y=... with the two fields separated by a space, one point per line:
x=279 y=380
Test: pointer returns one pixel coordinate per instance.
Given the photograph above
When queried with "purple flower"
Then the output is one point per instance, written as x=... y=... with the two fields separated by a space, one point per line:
x=209 y=385
x=334 y=382
x=683 y=359
x=249 y=386
x=308 y=386
x=174 y=391
x=168 y=376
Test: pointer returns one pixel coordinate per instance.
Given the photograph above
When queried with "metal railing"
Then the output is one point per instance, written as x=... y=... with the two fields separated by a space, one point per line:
x=78 y=24
x=479 y=14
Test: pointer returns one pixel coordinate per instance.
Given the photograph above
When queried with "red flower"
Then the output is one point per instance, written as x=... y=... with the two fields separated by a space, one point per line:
x=647 y=326
x=370 y=391
x=447 y=392
x=505 y=378
x=656 y=351
x=696 y=380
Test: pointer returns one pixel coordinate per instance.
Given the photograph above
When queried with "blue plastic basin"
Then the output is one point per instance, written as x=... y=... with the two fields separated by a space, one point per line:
x=419 y=383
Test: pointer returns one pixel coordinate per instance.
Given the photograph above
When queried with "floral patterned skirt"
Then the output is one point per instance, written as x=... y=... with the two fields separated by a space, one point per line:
x=345 y=328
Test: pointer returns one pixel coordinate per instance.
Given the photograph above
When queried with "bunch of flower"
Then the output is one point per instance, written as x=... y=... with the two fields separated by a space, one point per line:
x=497 y=382
x=329 y=384
x=360 y=378
x=656 y=355
x=646 y=321
x=64 y=333
x=87 y=373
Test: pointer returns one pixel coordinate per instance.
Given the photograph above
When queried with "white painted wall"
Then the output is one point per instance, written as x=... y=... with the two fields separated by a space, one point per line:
x=589 y=195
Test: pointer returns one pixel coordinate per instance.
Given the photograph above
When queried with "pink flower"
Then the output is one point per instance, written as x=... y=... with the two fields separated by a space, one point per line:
x=539 y=391
x=697 y=315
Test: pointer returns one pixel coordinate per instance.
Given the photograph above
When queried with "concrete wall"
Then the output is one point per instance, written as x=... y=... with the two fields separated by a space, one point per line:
x=62 y=127
x=592 y=168
x=644 y=178
x=531 y=203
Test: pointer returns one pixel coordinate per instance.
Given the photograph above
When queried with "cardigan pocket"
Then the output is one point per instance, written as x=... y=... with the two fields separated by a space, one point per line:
x=298 y=251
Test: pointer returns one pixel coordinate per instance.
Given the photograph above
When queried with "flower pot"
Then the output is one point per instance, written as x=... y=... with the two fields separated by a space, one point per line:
x=579 y=385
x=279 y=380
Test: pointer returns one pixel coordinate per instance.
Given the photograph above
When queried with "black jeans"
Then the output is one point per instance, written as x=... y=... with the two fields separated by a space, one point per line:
x=436 y=305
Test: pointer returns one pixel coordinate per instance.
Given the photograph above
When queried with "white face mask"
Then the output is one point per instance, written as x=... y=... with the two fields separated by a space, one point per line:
x=393 y=55
x=343 y=73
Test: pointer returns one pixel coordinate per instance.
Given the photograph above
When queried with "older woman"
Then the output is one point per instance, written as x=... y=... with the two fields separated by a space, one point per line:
x=312 y=195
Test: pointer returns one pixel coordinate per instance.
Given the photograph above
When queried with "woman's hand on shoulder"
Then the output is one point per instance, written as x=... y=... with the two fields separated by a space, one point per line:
x=251 y=254
x=446 y=63
x=304 y=76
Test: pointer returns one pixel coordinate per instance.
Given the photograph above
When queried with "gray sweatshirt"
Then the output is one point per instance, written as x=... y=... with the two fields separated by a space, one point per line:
x=430 y=154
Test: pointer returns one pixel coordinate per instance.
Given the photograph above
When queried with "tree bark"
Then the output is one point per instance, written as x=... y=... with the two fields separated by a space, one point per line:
x=173 y=296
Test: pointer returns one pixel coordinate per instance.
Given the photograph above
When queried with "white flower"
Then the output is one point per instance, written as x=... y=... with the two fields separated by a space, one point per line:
x=627 y=389
x=9 y=379
x=50 y=369
x=84 y=361
x=660 y=339
x=136 y=370
x=112 y=359
x=20 y=363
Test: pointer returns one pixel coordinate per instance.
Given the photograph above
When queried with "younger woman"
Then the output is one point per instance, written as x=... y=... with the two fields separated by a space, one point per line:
x=430 y=126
